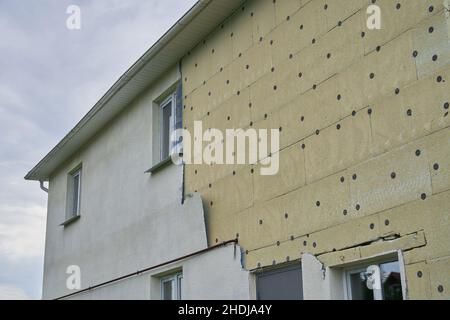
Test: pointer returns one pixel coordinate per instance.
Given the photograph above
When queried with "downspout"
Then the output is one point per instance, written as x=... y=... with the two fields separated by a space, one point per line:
x=43 y=188
x=183 y=195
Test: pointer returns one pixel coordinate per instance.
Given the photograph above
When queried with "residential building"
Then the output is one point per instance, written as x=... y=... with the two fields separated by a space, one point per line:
x=360 y=206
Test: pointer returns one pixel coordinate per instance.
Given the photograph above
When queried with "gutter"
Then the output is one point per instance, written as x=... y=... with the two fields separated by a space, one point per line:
x=223 y=244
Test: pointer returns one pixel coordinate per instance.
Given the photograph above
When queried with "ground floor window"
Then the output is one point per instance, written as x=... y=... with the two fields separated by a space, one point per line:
x=374 y=282
x=171 y=287
x=283 y=283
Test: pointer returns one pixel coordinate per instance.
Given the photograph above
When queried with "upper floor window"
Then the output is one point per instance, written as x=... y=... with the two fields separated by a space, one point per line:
x=167 y=125
x=167 y=116
x=74 y=194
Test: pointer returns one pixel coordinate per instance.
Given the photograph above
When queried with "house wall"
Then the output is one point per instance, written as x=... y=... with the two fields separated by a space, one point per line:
x=364 y=133
x=201 y=276
x=129 y=220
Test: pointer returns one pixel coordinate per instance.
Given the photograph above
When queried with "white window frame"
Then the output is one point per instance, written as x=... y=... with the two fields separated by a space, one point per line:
x=377 y=295
x=175 y=279
x=72 y=212
x=164 y=104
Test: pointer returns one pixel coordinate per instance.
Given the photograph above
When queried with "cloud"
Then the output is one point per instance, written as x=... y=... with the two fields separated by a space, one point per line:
x=11 y=292
x=22 y=232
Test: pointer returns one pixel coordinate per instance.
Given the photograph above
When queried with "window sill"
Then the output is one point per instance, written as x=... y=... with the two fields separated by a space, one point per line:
x=70 y=221
x=160 y=165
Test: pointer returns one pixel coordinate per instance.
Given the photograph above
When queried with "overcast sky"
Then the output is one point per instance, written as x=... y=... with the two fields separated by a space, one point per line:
x=50 y=77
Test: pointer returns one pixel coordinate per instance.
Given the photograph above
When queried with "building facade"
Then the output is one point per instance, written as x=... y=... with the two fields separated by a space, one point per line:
x=364 y=139
x=114 y=219
x=359 y=207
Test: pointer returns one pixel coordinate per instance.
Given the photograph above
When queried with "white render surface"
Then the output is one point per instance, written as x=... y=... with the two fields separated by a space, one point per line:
x=214 y=275
x=130 y=220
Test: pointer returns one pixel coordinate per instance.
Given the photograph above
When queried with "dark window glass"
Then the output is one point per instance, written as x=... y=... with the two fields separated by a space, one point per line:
x=359 y=287
x=166 y=128
x=391 y=281
x=167 y=290
x=76 y=195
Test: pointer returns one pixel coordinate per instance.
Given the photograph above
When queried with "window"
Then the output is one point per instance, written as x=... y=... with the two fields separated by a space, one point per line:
x=280 y=284
x=374 y=282
x=167 y=126
x=167 y=117
x=73 y=194
x=171 y=287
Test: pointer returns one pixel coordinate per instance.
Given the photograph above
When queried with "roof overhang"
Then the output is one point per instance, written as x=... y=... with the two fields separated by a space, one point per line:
x=194 y=26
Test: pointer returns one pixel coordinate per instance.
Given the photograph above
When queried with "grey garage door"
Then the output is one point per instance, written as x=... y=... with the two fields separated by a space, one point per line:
x=280 y=284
